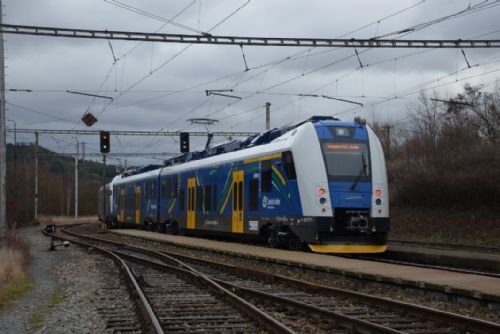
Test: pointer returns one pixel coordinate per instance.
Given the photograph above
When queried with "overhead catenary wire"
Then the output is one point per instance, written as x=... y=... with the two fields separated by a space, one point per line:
x=156 y=69
x=295 y=56
x=361 y=64
x=264 y=72
x=153 y=16
x=486 y=4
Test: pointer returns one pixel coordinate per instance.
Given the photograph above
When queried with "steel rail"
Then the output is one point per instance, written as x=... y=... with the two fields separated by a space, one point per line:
x=243 y=305
x=416 y=310
x=345 y=321
x=245 y=40
x=456 y=320
x=131 y=282
x=411 y=263
x=462 y=247
x=237 y=301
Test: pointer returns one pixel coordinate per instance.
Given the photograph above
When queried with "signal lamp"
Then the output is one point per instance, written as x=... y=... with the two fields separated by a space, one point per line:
x=104 y=135
x=378 y=192
x=184 y=142
x=321 y=191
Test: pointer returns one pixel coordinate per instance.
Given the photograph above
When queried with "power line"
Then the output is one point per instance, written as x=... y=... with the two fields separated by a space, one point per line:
x=154 y=16
x=246 y=40
x=122 y=154
x=467 y=11
x=153 y=71
x=270 y=65
x=130 y=132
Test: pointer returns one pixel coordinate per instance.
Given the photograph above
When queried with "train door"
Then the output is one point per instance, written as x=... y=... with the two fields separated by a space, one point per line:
x=191 y=203
x=138 y=204
x=122 y=205
x=238 y=181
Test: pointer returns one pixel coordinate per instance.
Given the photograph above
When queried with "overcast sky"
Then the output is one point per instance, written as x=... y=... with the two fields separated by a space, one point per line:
x=158 y=86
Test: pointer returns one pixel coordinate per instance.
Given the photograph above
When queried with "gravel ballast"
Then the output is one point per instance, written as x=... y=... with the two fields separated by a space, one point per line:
x=63 y=298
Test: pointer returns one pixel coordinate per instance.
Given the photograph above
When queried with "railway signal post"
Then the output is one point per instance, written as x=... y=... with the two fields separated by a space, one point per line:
x=105 y=147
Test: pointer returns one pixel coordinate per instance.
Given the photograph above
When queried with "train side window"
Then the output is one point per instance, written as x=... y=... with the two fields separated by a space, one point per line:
x=137 y=201
x=153 y=190
x=289 y=165
x=175 y=187
x=163 y=188
x=214 y=199
x=181 y=199
x=253 y=186
x=208 y=197
x=190 y=199
x=199 y=198
x=267 y=176
x=235 y=196
x=240 y=195
x=169 y=187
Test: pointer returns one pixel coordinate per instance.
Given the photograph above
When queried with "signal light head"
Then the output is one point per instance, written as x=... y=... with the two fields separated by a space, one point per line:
x=104 y=136
x=321 y=191
x=378 y=192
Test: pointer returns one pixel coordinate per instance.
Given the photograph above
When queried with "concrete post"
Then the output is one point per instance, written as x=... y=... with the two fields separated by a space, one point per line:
x=268 y=116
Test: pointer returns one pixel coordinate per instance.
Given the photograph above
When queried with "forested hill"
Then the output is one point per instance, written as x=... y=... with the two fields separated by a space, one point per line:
x=56 y=176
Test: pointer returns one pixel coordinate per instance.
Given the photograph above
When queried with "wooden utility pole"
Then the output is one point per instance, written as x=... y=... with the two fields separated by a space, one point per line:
x=3 y=146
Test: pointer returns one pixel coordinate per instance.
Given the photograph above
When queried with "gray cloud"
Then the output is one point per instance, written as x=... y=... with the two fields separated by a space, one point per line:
x=42 y=63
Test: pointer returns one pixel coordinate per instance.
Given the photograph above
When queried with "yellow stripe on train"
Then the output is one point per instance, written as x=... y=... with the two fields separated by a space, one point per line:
x=266 y=157
x=322 y=248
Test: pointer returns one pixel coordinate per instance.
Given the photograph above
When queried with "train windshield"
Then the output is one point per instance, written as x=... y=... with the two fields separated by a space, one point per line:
x=346 y=161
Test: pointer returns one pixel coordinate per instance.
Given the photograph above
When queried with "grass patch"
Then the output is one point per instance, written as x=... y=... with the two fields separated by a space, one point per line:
x=13 y=292
x=14 y=263
x=38 y=317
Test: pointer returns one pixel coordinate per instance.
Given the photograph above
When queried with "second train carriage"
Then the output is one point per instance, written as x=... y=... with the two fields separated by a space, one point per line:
x=321 y=182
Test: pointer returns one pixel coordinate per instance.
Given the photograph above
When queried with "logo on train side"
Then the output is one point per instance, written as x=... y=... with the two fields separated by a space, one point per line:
x=270 y=203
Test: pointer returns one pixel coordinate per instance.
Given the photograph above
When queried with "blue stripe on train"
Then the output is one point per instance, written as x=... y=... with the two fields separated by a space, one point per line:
x=342 y=196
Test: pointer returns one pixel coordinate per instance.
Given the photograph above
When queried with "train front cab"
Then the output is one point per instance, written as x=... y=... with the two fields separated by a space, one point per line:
x=353 y=200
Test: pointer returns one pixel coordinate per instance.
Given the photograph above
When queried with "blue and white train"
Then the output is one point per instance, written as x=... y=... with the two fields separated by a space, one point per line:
x=320 y=183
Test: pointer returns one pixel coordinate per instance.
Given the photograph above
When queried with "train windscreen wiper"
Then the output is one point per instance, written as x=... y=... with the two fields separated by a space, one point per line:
x=361 y=172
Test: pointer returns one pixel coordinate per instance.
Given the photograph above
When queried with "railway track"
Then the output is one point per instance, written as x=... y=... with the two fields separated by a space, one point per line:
x=174 y=300
x=305 y=307
x=429 y=266
x=433 y=263
x=455 y=247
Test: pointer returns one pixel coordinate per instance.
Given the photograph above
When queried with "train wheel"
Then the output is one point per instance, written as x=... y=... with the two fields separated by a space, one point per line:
x=295 y=244
x=272 y=239
x=175 y=228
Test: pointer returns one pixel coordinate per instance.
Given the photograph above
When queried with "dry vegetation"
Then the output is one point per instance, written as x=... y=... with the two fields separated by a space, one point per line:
x=14 y=262
x=444 y=168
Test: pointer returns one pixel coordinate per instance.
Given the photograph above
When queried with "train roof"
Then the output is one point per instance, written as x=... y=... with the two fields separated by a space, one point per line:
x=249 y=142
x=264 y=143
